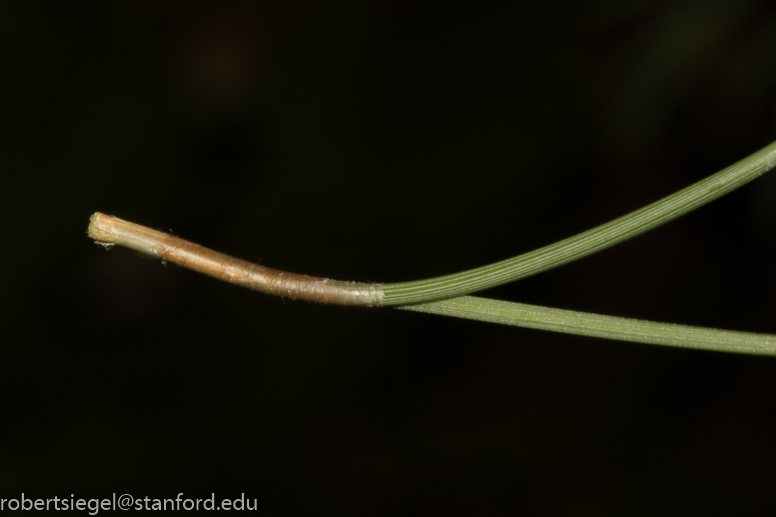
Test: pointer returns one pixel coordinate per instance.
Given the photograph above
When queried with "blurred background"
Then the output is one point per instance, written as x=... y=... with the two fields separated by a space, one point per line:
x=384 y=141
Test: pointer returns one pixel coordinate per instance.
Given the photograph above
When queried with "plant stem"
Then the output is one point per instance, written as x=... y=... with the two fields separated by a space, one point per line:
x=109 y=230
x=444 y=295
x=586 y=243
x=595 y=325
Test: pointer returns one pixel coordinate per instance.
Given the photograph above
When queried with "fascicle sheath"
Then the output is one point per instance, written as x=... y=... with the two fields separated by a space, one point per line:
x=164 y=246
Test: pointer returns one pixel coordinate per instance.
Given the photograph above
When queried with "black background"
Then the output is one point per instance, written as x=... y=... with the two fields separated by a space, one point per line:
x=384 y=141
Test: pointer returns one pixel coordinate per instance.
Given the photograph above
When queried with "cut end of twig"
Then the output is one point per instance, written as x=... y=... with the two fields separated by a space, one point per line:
x=100 y=228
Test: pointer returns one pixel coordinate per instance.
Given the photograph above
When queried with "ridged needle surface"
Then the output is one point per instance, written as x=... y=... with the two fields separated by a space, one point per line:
x=587 y=243
x=596 y=325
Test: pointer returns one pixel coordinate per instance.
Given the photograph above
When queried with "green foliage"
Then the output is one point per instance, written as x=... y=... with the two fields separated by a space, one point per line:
x=443 y=295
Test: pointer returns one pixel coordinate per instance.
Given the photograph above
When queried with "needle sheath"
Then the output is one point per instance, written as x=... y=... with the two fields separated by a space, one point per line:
x=169 y=248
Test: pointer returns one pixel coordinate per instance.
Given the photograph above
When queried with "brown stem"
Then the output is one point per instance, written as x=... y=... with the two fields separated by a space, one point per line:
x=107 y=229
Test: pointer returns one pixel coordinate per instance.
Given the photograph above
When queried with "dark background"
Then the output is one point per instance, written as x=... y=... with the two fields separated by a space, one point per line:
x=384 y=141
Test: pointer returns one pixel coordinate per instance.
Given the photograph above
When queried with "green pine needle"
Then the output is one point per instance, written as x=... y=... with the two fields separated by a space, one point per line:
x=583 y=244
x=595 y=325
